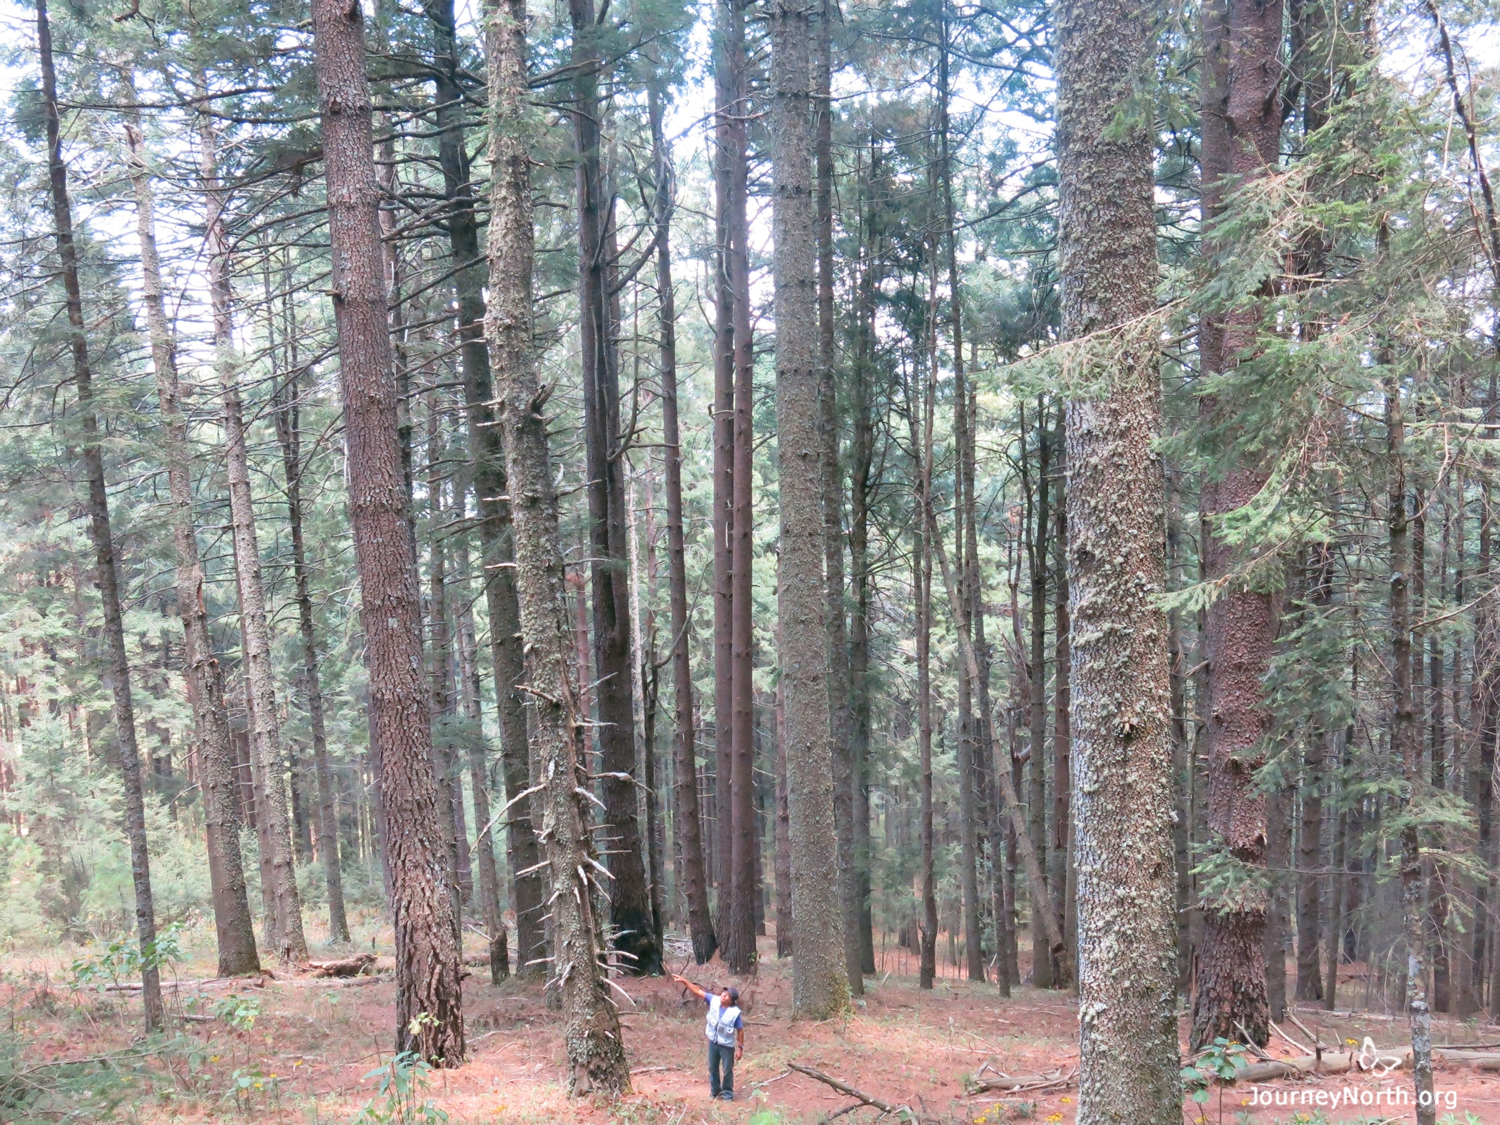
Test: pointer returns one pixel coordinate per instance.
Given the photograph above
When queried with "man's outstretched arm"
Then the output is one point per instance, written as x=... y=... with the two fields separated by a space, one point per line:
x=700 y=993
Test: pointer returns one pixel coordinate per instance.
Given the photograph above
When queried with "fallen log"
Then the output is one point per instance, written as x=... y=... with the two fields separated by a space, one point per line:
x=903 y=1112
x=1342 y=1062
x=344 y=966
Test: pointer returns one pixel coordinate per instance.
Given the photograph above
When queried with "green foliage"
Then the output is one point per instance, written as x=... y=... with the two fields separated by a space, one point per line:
x=239 y=1012
x=124 y=958
x=403 y=1084
x=90 y=1089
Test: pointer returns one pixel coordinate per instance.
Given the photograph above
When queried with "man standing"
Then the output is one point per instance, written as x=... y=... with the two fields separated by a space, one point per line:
x=725 y=1029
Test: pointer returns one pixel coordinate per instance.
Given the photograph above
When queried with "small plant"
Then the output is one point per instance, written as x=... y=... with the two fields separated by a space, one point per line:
x=1216 y=1065
x=239 y=1012
x=403 y=1082
x=247 y=1084
x=1452 y=1119
x=125 y=957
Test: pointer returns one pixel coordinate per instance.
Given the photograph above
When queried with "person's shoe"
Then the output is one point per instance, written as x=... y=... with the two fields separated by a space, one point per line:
x=727 y=1095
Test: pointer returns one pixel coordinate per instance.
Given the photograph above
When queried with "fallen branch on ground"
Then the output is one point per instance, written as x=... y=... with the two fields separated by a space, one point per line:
x=1002 y=1083
x=344 y=967
x=904 y=1112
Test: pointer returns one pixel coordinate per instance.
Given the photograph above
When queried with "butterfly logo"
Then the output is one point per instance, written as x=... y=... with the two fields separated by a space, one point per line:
x=1377 y=1062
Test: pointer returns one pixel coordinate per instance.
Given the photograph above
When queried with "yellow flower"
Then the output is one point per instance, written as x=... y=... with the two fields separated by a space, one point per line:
x=213 y=1058
x=1055 y=1117
x=1067 y=1101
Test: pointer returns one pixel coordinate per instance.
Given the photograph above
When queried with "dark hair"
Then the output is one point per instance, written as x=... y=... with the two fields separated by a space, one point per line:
x=734 y=994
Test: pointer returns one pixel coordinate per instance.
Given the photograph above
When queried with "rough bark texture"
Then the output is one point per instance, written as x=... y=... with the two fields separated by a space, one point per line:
x=1121 y=710
x=429 y=1012
x=1406 y=745
x=861 y=489
x=833 y=504
x=728 y=165
x=820 y=986
x=287 y=940
x=106 y=572
x=1310 y=836
x=629 y=895
x=688 y=823
x=1242 y=43
x=233 y=926
x=737 y=937
x=596 y=1054
x=1040 y=511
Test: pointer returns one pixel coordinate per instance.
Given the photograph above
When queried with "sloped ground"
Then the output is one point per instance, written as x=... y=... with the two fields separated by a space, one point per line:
x=302 y=1051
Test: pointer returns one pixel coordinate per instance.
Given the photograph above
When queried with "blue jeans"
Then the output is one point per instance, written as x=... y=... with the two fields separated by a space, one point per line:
x=720 y=1055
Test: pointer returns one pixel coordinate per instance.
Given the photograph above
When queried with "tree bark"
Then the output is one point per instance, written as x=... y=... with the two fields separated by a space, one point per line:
x=924 y=525
x=1121 y=704
x=1243 y=72
x=630 y=899
x=596 y=1054
x=106 y=572
x=861 y=490
x=729 y=166
x=429 y=1011
x=265 y=724
x=1406 y=745
x=820 y=985
x=1310 y=835
x=440 y=671
x=288 y=431
x=493 y=525
x=689 y=828
x=1039 y=511
x=833 y=503
x=233 y=926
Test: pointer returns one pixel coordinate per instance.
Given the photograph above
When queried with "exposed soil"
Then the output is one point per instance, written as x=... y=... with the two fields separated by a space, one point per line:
x=309 y=1054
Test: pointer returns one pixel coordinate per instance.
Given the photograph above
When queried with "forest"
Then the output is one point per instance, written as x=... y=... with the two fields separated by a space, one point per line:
x=959 y=532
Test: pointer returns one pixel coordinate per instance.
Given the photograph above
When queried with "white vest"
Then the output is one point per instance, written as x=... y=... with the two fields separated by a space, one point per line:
x=720 y=1025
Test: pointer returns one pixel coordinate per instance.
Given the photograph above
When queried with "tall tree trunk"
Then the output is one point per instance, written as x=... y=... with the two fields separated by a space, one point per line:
x=1334 y=938
x=1242 y=44
x=861 y=488
x=494 y=519
x=1039 y=510
x=820 y=986
x=1310 y=834
x=924 y=526
x=440 y=671
x=596 y=1054
x=429 y=1011
x=479 y=771
x=289 y=433
x=1278 y=858
x=1406 y=744
x=833 y=504
x=1062 y=875
x=630 y=899
x=233 y=926
x=729 y=166
x=1121 y=704
x=685 y=757
x=782 y=859
x=963 y=506
x=738 y=936
x=287 y=939
x=106 y=572
x=1006 y=775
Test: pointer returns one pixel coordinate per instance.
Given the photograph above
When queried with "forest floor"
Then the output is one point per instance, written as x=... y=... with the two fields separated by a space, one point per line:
x=310 y=1051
